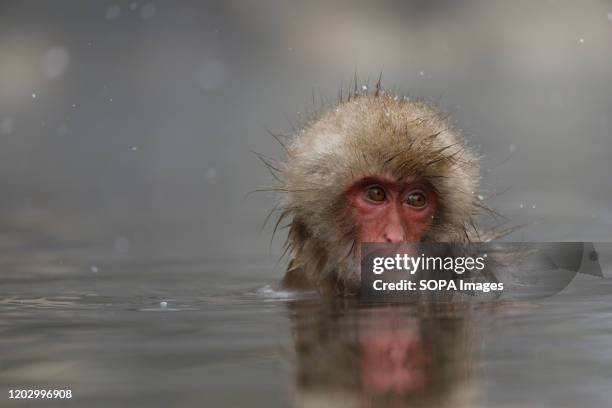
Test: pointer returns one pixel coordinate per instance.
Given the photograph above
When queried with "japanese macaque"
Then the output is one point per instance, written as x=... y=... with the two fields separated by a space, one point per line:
x=373 y=168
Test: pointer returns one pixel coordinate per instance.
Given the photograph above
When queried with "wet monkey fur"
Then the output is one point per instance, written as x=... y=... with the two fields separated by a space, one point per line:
x=376 y=167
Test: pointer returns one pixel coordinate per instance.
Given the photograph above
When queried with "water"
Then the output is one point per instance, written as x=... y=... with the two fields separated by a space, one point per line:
x=224 y=337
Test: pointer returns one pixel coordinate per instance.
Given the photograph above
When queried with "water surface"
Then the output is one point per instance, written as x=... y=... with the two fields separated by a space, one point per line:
x=176 y=332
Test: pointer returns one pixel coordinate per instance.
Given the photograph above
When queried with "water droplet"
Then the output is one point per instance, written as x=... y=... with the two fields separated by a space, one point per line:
x=480 y=197
x=121 y=244
x=364 y=88
x=512 y=148
x=74 y=105
x=134 y=148
x=147 y=11
x=533 y=206
x=110 y=99
x=211 y=75
x=521 y=205
x=55 y=62
x=33 y=96
x=610 y=16
x=62 y=129
x=163 y=304
x=7 y=126
x=581 y=41
x=421 y=73
x=211 y=173
x=113 y=12
x=94 y=269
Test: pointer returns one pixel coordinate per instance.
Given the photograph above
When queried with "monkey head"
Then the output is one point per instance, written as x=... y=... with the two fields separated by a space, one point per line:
x=374 y=168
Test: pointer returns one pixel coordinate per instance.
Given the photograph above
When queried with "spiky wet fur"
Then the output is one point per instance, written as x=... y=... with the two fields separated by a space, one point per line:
x=368 y=134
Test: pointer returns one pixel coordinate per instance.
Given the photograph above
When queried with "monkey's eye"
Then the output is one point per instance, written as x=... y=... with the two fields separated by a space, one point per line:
x=375 y=194
x=416 y=199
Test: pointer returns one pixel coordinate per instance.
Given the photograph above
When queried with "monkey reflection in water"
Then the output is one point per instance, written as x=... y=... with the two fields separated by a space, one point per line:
x=370 y=356
x=373 y=168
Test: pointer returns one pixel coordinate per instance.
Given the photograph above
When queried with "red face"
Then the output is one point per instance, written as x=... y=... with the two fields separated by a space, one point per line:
x=388 y=210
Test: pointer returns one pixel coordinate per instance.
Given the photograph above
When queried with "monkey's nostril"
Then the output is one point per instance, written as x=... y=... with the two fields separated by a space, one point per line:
x=394 y=237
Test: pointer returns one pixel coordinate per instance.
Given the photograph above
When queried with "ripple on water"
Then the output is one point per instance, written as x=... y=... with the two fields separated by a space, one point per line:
x=269 y=293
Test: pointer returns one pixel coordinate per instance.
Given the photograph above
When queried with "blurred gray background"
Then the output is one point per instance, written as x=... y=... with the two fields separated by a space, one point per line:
x=126 y=126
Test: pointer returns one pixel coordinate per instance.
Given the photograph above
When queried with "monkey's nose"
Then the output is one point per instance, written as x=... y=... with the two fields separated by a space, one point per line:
x=394 y=235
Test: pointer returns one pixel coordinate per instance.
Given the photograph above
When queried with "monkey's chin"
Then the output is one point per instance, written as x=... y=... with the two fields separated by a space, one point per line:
x=344 y=275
